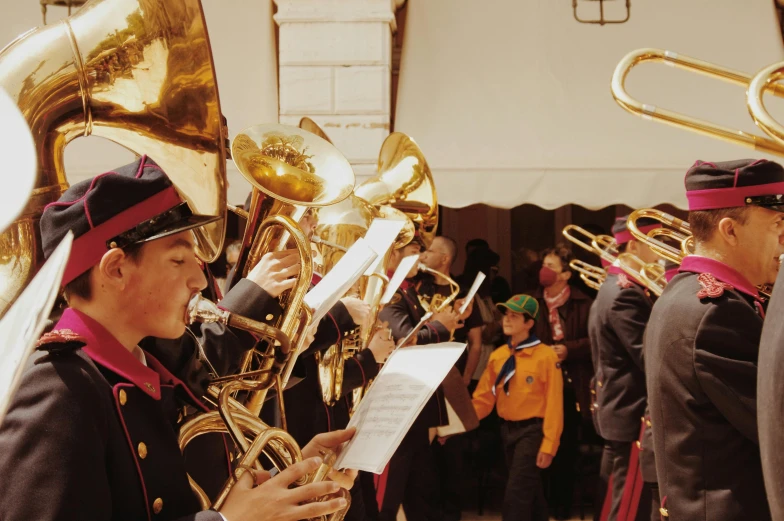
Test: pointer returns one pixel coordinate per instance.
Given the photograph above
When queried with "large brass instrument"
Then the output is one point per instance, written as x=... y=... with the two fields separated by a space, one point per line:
x=251 y=436
x=137 y=72
x=438 y=302
x=765 y=81
x=604 y=246
x=593 y=276
x=291 y=170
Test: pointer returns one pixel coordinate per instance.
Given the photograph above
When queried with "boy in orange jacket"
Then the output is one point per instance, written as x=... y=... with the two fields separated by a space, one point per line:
x=523 y=380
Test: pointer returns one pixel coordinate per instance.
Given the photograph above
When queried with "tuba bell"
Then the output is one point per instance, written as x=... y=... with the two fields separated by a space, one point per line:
x=137 y=72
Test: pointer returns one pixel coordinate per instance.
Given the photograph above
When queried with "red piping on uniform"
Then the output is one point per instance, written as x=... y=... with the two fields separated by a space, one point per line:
x=329 y=419
x=336 y=326
x=115 y=392
x=381 y=486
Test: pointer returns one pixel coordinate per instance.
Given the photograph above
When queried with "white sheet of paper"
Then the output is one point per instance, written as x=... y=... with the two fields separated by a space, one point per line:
x=340 y=278
x=380 y=236
x=399 y=393
x=23 y=323
x=398 y=278
x=480 y=277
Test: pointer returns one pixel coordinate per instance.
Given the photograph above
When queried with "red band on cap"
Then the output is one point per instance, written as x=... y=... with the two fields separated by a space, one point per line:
x=88 y=249
x=625 y=236
x=715 y=198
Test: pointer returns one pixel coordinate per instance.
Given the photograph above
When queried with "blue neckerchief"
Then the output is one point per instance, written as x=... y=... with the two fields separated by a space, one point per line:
x=509 y=367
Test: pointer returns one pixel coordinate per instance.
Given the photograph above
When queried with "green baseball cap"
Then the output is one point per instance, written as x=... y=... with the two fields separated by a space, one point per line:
x=522 y=304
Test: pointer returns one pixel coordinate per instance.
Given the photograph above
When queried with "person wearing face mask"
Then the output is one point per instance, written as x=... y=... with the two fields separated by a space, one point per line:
x=616 y=326
x=703 y=343
x=564 y=326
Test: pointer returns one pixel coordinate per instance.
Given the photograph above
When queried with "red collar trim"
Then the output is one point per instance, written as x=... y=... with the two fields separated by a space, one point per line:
x=88 y=249
x=626 y=236
x=733 y=197
x=722 y=272
x=617 y=270
x=105 y=350
x=669 y=274
x=315 y=279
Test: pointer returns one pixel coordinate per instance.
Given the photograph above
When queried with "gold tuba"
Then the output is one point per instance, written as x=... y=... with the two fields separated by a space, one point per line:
x=137 y=72
x=291 y=170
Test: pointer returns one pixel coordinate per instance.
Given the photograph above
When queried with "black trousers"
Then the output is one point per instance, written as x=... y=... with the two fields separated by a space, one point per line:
x=653 y=513
x=560 y=477
x=412 y=480
x=450 y=462
x=524 y=496
x=615 y=463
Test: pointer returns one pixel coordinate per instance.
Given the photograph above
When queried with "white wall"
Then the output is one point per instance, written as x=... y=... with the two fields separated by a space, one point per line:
x=243 y=44
x=510 y=99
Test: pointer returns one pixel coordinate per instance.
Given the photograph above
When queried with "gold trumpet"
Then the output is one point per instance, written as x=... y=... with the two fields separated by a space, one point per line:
x=144 y=80
x=291 y=170
x=765 y=81
x=593 y=276
x=650 y=274
x=601 y=245
x=241 y=424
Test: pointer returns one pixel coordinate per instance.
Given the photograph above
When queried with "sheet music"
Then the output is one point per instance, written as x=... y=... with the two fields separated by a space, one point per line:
x=339 y=280
x=380 y=236
x=399 y=393
x=398 y=278
x=23 y=323
x=480 y=277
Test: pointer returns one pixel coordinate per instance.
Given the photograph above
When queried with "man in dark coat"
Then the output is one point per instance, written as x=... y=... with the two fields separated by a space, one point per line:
x=617 y=324
x=113 y=453
x=410 y=477
x=702 y=345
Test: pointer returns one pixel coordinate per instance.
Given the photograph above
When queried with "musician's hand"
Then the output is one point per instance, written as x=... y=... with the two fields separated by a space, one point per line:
x=448 y=319
x=561 y=351
x=382 y=345
x=469 y=308
x=543 y=460
x=276 y=500
x=331 y=441
x=359 y=311
x=276 y=271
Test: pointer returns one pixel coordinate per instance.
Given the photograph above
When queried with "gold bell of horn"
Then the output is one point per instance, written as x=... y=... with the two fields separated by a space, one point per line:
x=137 y=72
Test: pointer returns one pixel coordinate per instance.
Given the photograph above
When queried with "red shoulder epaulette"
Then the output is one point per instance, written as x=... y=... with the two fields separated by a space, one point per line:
x=711 y=287
x=624 y=282
x=60 y=336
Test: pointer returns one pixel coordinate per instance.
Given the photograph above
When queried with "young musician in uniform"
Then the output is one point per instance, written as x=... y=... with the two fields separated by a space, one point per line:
x=410 y=476
x=702 y=344
x=523 y=381
x=616 y=326
x=92 y=431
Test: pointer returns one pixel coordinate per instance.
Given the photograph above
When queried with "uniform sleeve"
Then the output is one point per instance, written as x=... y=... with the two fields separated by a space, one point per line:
x=333 y=327
x=358 y=370
x=483 y=398
x=56 y=429
x=725 y=362
x=630 y=313
x=553 y=414
x=396 y=314
x=432 y=333
x=205 y=347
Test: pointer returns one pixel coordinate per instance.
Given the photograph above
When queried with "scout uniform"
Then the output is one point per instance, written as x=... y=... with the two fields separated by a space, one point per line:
x=410 y=477
x=701 y=349
x=616 y=326
x=92 y=432
x=525 y=385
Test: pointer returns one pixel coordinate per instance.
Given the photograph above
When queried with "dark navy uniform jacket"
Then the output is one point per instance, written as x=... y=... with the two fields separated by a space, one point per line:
x=616 y=327
x=701 y=348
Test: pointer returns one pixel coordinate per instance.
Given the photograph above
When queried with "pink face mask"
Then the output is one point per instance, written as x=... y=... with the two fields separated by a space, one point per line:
x=547 y=276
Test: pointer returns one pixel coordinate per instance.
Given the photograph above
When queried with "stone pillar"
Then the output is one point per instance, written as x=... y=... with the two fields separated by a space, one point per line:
x=334 y=66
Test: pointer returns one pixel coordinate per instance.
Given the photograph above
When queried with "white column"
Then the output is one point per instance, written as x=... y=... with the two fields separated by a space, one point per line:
x=334 y=66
